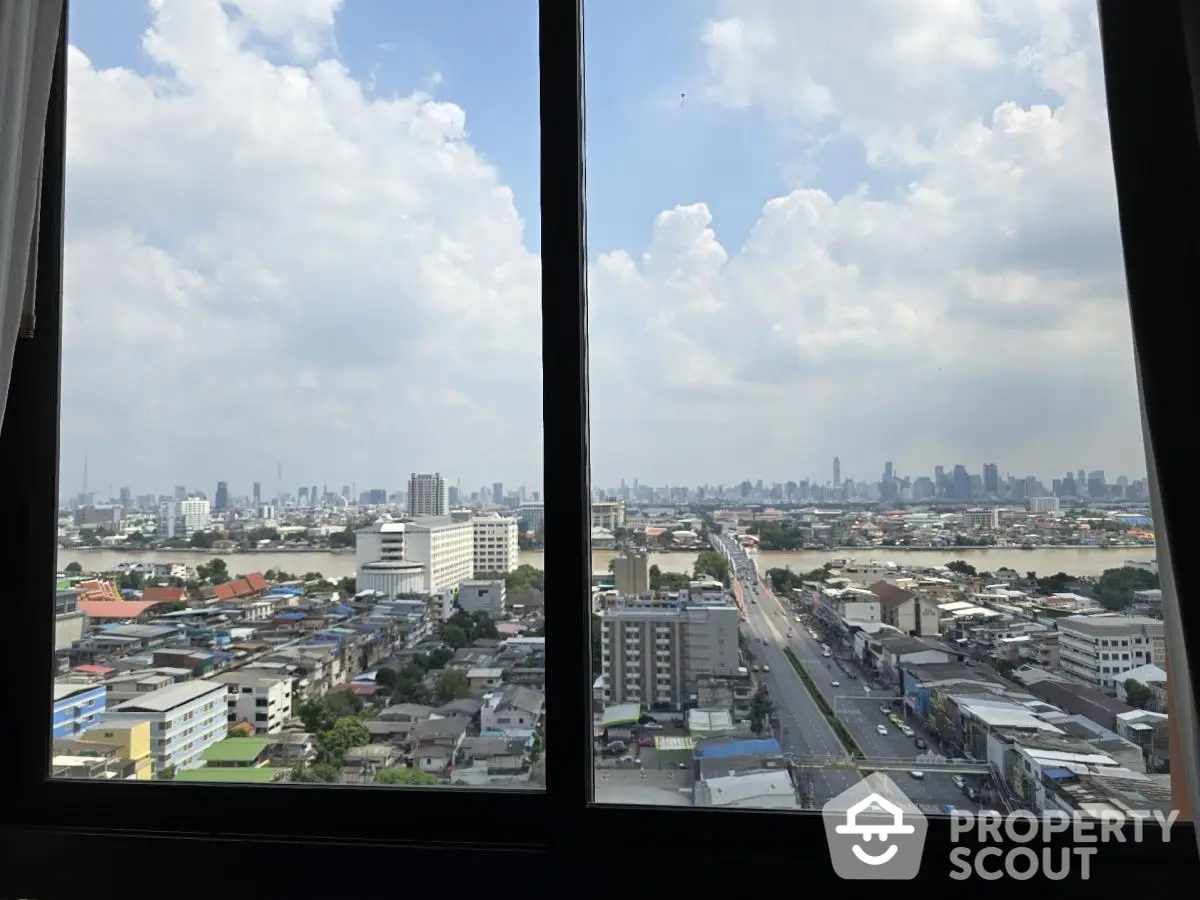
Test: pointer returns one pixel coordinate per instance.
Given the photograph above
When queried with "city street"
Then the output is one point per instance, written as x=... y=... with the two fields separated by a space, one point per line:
x=803 y=729
x=857 y=708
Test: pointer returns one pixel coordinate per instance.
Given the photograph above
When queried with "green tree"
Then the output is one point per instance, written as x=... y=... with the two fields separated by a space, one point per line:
x=454 y=635
x=214 y=572
x=1138 y=695
x=1054 y=584
x=320 y=714
x=202 y=539
x=73 y=568
x=438 y=658
x=668 y=581
x=131 y=581
x=411 y=687
x=961 y=567
x=345 y=538
x=346 y=733
x=761 y=708
x=451 y=684
x=406 y=776
x=712 y=564
x=167 y=774
x=1115 y=585
x=348 y=586
x=318 y=773
x=385 y=677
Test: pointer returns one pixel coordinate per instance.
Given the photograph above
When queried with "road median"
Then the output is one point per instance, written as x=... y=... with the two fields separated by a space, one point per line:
x=840 y=730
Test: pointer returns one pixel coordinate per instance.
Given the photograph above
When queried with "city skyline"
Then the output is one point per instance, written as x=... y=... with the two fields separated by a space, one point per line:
x=809 y=256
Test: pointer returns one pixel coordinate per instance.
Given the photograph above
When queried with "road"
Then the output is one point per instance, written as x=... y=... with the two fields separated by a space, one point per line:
x=808 y=734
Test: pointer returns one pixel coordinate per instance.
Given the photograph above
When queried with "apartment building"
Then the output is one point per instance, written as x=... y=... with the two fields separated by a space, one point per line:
x=608 y=514
x=182 y=518
x=445 y=547
x=1098 y=650
x=428 y=495
x=482 y=596
x=77 y=707
x=836 y=606
x=987 y=519
x=656 y=650
x=495 y=544
x=907 y=610
x=263 y=700
x=185 y=720
x=531 y=516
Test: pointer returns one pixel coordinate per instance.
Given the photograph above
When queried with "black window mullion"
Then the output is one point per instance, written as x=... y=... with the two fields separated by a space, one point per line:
x=565 y=409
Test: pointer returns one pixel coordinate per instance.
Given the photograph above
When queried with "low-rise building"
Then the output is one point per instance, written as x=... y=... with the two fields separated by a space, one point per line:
x=77 y=707
x=260 y=699
x=483 y=596
x=185 y=720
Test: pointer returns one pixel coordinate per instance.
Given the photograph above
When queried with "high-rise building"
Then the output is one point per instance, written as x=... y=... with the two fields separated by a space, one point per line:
x=314 y=497
x=631 y=573
x=182 y=518
x=258 y=493
x=221 y=499
x=428 y=495
x=496 y=545
x=837 y=472
x=991 y=478
x=498 y=493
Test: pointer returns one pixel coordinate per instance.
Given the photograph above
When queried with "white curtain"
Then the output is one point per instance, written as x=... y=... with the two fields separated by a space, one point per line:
x=28 y=41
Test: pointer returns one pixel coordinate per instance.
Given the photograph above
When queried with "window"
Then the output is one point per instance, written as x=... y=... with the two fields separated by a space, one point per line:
x=1155 y=254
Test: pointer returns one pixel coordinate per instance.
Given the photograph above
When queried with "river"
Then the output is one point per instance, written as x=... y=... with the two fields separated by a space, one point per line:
x=1073 y=561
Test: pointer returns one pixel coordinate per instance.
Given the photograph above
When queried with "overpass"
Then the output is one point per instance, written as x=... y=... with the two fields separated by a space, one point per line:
x=895 y=764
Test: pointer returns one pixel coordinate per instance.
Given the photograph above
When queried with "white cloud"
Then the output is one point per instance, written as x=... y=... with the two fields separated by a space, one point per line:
x=267 y=262
x=975 y=314
x=264 y=264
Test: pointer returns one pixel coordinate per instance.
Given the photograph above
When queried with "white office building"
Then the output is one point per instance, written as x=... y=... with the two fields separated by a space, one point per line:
x=531 y=516
x=1099 y=650
x=392 y=578
x=264 y=701
x=182 y=518
x=608 y=514
x=381 y=542
x=987 y=519
x=445 y=548
x=428 y=495
x=656 y=650
x=185 y=720
x=482 y=596
x=1043 y=505
x=495 y=544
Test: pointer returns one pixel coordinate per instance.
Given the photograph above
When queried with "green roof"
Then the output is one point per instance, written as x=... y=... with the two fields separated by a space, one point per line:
x=234 y=774
x=245 y=750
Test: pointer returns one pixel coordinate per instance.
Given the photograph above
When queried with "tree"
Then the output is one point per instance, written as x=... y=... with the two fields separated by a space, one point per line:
x=318 y=773
x=73 y=568
x=1137 y=694
x=131 y=581
x=345 y=538
x=202 y=539
x=668 y=581
x=167 y=774
x=348 y=586
x=346 y=733
x=385 y=677
x=406 y=776
x=1054 y=584
x=961 y=567
x=612 y=564
x=712 y=564
x=451 y=684
x=1115 y=585
x=320 y=714
x=761 y=708
x=411 y=687
x=214 y=572
x=454 y=635
x=438 y=658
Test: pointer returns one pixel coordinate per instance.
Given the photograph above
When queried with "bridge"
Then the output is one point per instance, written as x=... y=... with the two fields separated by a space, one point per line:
x=894 y=764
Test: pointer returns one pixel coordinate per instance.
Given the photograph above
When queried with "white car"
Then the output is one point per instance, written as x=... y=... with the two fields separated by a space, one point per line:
x=906 y=731
x=766 y=668
x=917 y=775
x=881 y=731
x=826 y=654
x=836 y=683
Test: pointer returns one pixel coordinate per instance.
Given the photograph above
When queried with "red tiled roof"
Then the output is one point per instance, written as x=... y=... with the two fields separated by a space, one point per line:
x=256 y=581
x=114 y=609
x=165 y=594
x=224 y=591
x=94 y=670
x=241 y=588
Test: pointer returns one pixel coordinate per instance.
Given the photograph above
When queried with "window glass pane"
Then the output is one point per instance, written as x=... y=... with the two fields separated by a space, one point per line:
x=301 y=445
x=870 y=485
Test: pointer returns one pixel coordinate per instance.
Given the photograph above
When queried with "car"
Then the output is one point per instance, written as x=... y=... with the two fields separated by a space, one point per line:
x=959 y=782
x=885 y=709
x=851 y=675
x=797 y=618
x=754 y=668
x=836 y=683
x=790 y=635
x=918 y=775
x=895 y=719
x=826 y=654
x=972 y=794
x=921 y=745
x=652 y=726
x=906 y=731
x=766 y=668
x=881 y=731
x=755 y=602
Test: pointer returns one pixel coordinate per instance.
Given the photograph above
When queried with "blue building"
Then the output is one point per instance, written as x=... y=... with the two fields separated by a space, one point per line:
x=77 y=707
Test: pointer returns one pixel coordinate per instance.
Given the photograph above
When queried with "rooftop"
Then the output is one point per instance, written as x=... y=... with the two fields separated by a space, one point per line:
x=166 y=699
x=235 y=774
x=245 y=749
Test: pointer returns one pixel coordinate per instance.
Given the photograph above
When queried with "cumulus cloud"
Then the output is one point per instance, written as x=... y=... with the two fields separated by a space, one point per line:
x=266 y=264
x=965 y=304
x=269 y=262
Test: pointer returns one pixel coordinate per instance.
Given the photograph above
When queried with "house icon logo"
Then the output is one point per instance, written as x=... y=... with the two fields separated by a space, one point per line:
x=874 y=831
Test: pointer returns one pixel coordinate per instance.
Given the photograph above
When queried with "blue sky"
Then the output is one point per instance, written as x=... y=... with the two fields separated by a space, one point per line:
x=646 y=151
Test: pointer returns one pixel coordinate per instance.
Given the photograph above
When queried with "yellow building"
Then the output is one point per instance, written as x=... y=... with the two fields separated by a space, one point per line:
x=131 y=741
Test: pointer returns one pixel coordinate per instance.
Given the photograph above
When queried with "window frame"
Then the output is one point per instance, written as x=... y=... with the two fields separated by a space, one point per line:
x=43 y=822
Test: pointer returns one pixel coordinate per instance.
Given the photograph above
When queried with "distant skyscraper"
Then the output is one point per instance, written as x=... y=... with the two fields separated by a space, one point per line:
x=837 y=472
x=221 y=499
x=991 y=478
x=257 y=494
x=427 y=495
x=314 y=498
x=498 y=493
